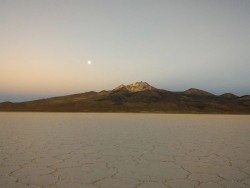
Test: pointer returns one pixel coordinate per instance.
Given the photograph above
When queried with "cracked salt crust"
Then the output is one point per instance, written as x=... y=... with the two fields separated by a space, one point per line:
x=54 y=150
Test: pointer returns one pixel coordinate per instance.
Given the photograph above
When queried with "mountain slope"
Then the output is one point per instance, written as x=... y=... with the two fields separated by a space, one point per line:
x=138 y=97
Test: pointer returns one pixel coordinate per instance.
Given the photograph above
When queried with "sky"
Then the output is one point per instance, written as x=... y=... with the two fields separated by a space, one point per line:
x=45 y=46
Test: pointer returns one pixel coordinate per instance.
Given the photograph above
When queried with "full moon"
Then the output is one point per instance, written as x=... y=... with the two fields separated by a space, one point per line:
x=89 y=62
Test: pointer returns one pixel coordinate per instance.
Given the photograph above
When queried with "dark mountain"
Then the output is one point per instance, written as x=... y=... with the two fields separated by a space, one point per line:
x=137 y=97
x=244 y=100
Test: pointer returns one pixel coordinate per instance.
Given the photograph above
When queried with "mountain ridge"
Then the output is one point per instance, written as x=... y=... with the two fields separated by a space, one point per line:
x=137 y=97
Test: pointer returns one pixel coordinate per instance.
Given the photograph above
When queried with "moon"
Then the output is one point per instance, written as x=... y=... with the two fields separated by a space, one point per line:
x=89 y=62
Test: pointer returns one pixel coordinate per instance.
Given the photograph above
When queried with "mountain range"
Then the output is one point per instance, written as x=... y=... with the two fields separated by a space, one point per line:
x=138 y=97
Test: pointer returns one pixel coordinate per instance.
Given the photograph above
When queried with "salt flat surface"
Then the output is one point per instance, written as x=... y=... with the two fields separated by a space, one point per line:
x=72 y=150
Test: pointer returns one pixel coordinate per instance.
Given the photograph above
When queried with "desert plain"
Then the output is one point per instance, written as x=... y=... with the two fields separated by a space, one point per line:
x=105 y=150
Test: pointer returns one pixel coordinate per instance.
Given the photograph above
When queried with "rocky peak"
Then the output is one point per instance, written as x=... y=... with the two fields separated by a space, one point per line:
x=135 y=87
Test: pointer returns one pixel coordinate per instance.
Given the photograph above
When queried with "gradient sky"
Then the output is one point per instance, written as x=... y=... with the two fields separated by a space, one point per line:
x=171 y=44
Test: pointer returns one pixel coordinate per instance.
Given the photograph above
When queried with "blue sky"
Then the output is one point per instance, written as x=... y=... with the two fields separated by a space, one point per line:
x=173 y=45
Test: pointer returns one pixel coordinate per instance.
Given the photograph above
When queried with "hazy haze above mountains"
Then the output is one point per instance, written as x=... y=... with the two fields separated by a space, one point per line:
x=173 y=45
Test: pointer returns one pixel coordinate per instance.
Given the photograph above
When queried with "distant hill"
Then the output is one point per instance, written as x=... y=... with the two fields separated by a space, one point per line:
x=193 y=91
x=229 y=96
x=138 y=97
